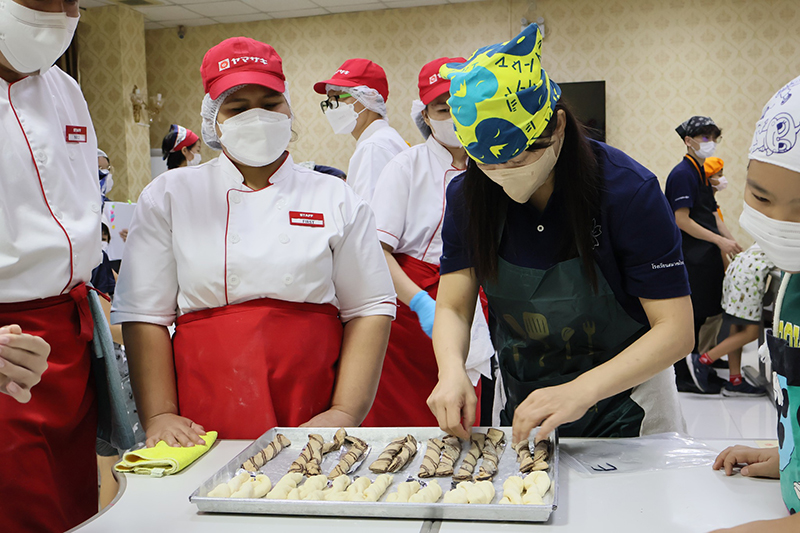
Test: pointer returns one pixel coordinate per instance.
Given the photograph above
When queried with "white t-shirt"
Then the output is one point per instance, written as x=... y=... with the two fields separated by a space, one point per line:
x=409 y=200
x=200 y=239
x=49 y=188
x=378 y=144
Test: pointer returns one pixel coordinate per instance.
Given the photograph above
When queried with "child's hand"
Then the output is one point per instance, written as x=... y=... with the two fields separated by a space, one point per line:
x=760 y=462
x=173 y=429
x=23 y=360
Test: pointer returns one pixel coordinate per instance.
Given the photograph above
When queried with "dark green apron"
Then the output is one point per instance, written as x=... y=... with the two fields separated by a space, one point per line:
x=550 y=328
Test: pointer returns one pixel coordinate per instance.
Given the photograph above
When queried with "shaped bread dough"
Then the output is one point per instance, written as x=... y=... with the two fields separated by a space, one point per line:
x=267 y=454
x=246 y=490
x=481 y=492
x=531 y=497
x=312 y=484
x=430 y=494
x=359 y=485
x=457 y=495
x=512 y=491
x=537 y=481
x=337 y=496
x=340 y=484
x=294 y=494
x=374 y=492
x=287 y=484
x=236 y=483
x=404 y=492
x=220 y=491
x=315 y=496
x=262 y=486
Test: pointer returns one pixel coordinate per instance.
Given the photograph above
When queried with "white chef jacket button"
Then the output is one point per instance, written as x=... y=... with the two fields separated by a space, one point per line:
x=288 y=279
x=72 y=155
x=284 y=238
x=236 y=197
x=280 y=204
x=233 y=280
x=74 y=258
x=56 y=213
x=235 y=238
x=540 y=228
x=94 y=207
x=40 y=157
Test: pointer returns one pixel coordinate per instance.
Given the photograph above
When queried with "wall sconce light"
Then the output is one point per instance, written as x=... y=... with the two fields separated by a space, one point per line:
x=539 y=21
x=154 y=107
x=139 y=104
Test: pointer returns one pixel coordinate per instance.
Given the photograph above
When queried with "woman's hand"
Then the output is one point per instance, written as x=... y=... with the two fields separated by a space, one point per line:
x=23 y=360
x=549 y=408
x=332 y=418
x=173 y=429
x=760 y=462
x=452 y=401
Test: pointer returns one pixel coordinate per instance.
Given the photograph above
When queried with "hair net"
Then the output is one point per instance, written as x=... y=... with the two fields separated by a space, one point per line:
x=369 y=98
x=777 y=136
x=101 y=153
x=210 y=110
x=416 y=115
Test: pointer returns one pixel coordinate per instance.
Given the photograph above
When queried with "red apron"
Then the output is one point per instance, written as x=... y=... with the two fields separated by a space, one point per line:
x=48 y=468
x=245 y=368
x=409 y=370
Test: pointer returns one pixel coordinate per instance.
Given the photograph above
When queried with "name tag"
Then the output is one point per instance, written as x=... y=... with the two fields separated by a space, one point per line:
x=299 y=218
x=76 y=134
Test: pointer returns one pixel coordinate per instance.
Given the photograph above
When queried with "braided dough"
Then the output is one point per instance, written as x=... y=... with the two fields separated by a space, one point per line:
x=357 y=449
x=468 y=492
x=524 y=457
x=404 y=492
x=451 y=449
x=433 y=451
x=475 y=451
x=374 y=492
x=535 y=486
x=381 y=464
x=429 y=494
x=284 y=486
x=310 y=458
x=492 y=450
x=267 y=454
x=242 y=486
x=336 y=443
x=407 y=451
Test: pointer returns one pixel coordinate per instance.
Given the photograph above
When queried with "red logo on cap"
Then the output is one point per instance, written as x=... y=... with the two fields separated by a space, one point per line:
x=433 y=79
x=224 y=64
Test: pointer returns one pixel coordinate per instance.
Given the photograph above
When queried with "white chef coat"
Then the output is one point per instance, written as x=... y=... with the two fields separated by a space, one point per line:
x=409 y=205
x=49 y=189
x=378 y=144
x=200 y=238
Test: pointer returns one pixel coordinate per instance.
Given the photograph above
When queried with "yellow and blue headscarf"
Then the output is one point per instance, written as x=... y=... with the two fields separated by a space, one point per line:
x=501 y=99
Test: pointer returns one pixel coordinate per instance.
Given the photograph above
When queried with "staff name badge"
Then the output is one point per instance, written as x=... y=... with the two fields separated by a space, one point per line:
x=300 y=218
x=76 y=134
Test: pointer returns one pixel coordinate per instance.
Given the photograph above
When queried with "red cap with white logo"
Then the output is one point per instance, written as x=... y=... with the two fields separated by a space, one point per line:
x=241 y=61
x=356 y=72
x=431 y=84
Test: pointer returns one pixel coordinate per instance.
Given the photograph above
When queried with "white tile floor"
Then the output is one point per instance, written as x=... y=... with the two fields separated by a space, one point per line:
x=730 y=418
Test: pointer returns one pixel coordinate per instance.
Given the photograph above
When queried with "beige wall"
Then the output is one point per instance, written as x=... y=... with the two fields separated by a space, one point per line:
x=663 y=61
x=112 y=60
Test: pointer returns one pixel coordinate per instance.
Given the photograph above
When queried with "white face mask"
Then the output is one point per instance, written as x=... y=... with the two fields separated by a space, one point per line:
x=705 y=150
x=343 y=118
x=32 y=40
x=722 y=184
x=779 y=239
x=196 y=158
x=256 y=137
x=444 y=131
x=104 y=246
x=106 y=180
x=520 y=183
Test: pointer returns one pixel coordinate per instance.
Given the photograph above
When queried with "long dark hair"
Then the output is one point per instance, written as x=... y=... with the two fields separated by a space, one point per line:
x=174 y=159
x=577 y=180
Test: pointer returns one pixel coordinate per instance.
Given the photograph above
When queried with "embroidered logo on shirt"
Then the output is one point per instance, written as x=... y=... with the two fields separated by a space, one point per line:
x=299 y=218
x=596 y=232
x=76 y=134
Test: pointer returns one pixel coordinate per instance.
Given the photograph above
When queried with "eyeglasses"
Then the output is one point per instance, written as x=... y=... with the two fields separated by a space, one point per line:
x=332 y=102
x=706 y=138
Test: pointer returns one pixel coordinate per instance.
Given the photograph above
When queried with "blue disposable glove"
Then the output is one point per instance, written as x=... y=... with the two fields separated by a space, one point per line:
x=425 y=307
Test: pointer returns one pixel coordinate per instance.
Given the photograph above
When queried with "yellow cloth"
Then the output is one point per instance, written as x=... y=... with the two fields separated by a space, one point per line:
x=162 y=459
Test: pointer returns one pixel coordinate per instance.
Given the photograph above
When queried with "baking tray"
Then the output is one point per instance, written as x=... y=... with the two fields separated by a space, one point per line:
x=377 y=438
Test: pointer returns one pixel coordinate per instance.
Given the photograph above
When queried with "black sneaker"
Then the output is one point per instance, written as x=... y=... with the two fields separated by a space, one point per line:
x=701 y=375
x=742 y=389
x=721 y=363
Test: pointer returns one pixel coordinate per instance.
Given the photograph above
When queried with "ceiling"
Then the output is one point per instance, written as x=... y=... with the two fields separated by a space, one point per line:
x=173 y=13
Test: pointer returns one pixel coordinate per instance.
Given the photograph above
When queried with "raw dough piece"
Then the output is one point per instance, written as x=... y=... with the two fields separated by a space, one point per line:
x=430 y=494
x=433 y=451
x=359 y=485
x=267 y=454
x=374 y=492
x=451 y=449
x=481 y=492
x=458 y=494
x=541 y=465
x=220 y=491
x=531 y=497
x=262 y=486
x=310 y=457
x=512 y=491
x=492 y=450
x=340 y=484
x=404 y=492
x=407 y=451
x=381 y=464
x=336 y=443
x=537 y=481
x=245 y=491
x=357 y=449
x=524 y=457
x=236 y=483
x=312 y=484
x=284 y=486
x=476 y=447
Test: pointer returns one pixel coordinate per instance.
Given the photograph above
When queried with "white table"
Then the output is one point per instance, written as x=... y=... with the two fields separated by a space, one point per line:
x=683 y=500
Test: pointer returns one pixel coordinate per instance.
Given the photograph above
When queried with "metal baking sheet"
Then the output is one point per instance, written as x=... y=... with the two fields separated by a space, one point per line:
x=377 y=438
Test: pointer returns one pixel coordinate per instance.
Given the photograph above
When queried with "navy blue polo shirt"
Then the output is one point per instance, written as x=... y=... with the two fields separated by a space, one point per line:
x=637 y=244
x=103 y=277
x=683 y=189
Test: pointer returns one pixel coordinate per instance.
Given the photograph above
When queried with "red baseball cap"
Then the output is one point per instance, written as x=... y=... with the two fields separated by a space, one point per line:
x=355 y=72
x=431 y=84
x=241 y=61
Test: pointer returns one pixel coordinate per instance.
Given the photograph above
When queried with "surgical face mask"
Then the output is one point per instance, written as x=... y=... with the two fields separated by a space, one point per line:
x=705 y=150
x=520 y=183
x=343 y=118
x=196 y=158
x=104 y=246
x=32 y=40
x=722 y=184
x=256 y=137
x=106 y=180
x=444 y=131
x=779 y=239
